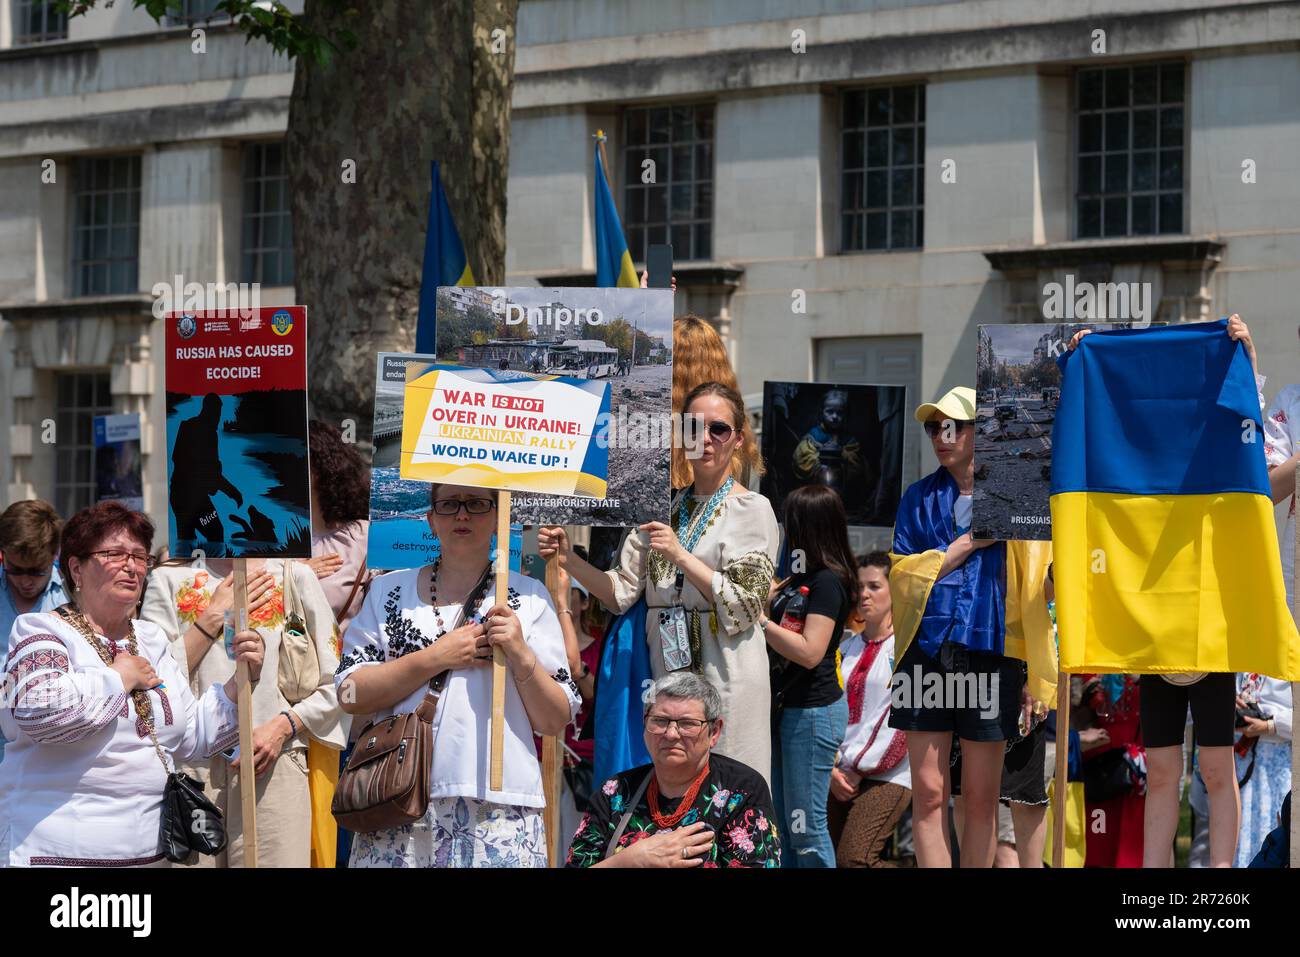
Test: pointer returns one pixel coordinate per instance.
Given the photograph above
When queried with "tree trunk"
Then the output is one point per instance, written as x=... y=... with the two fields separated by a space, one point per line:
x=425 y=82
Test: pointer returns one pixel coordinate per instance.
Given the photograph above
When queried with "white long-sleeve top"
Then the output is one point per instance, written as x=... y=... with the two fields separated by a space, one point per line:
x=871 y=747
x=1274 y=697
x=81 y=784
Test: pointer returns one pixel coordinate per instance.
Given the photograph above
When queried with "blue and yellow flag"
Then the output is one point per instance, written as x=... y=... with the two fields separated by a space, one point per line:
x=444 y=264
x=613 y=261
x=1166 y=554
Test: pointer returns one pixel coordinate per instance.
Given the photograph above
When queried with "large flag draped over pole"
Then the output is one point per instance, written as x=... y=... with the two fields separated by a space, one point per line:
x=1162 y=522
x=613 y=261
x=445 y=264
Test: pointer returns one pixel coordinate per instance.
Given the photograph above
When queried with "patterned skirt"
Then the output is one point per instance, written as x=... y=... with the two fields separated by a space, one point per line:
x=458 y=832
x=1262 y=797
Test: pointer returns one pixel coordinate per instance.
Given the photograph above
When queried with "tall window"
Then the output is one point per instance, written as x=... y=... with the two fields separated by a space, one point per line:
x=677 y=205
x=36 y=21
x=268 y=224
x=192 y=11
x=1131 y=154
x=882 y=160
x=81 y=397
x=106 y=226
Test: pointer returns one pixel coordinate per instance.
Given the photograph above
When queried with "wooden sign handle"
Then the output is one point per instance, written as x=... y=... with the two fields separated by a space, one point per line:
x=1060 y=783
x=1295 y=700
x=247 y=772
x=551 y=757
x=497 y=772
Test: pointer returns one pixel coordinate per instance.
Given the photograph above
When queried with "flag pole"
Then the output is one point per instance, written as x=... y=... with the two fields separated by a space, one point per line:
x=1295 y=699
x=1060 y=784
x=497 y=763
x=247 y=760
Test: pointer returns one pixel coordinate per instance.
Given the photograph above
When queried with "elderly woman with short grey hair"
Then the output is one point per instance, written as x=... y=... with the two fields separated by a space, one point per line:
x=690 y=807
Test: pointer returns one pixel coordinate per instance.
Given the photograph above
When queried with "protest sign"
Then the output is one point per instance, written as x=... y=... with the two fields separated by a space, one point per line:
x=399 y=534
x=848 y=437
x=619 y=336
x=117 y=460
x=1017 y=387
x=505 y=430
x=237 y=473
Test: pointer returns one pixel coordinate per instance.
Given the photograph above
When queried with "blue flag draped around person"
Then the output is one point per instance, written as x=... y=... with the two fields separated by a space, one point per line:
x=995 y=602
x=1162 y=524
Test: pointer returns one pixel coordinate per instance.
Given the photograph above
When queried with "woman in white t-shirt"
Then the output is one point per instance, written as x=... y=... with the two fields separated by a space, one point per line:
x=404 y=636
x=871 y=783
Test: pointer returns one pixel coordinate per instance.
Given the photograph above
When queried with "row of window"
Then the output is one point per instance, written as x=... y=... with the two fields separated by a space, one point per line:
x=106 y=222
x=37 y=21
x=1129 y=155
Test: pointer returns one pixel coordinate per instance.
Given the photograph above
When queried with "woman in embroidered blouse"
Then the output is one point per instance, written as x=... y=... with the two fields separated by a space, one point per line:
x=716 y=560
x=82 y=783
x=690 y=807
x=404 y=636
x=188 y=602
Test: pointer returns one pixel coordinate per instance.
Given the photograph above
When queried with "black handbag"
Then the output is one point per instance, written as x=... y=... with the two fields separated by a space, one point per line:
x=1107 y=776
x=189 y=821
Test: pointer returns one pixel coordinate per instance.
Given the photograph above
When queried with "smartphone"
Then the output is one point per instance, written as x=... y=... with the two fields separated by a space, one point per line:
x=659 y=263
x=231 y=753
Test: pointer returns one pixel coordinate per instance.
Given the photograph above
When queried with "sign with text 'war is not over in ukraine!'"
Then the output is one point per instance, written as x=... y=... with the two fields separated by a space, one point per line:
x=238 y=479
x=507 y=430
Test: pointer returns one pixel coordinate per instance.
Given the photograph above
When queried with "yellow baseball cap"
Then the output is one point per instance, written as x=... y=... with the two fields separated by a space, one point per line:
x=957 y=404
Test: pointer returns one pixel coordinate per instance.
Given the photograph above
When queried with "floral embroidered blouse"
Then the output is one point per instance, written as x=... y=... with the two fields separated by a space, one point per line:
x=733 y=801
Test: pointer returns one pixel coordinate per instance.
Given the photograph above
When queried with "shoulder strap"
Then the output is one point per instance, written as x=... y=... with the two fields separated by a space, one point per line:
x=347 y=605
x=627 y=815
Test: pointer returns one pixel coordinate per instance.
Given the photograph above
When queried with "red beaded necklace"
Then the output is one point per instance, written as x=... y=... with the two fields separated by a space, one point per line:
x=665 y=821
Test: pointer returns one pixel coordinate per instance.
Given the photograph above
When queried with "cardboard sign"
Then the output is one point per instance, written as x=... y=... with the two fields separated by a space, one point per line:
x=505 y=430
x=848 y=437
x=237 y=474
x=1017 y=386
x=117 y=460
x=400 y=536
x=620 y=336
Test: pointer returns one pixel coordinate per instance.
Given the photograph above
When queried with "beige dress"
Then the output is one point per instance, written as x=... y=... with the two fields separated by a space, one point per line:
x=176 y=596
x=740 y=543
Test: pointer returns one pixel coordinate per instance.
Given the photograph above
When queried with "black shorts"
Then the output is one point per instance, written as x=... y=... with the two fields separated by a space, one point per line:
x=1023 y=769
x=975 y=694
x=1163 y=709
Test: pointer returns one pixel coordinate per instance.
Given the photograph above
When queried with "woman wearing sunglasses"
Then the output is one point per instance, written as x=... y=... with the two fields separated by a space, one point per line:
x=705 y=575
x=411 y=631
x=100 y=711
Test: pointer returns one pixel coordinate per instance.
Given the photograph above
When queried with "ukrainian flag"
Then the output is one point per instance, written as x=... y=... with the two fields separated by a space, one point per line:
x=444 y=264
x=1166 y=554
x=613 y=261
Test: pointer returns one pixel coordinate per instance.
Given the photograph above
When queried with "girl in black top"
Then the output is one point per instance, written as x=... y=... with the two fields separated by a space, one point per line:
x=809 y=712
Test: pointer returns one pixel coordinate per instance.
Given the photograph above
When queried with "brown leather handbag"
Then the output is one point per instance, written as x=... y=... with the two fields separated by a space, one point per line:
x=386 y=781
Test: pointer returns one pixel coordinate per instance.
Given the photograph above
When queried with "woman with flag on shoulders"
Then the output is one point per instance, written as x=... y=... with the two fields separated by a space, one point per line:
x=969 y=616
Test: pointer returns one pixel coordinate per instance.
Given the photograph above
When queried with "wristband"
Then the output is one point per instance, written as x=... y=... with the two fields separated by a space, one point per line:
x=292 y=725
x=204 y=632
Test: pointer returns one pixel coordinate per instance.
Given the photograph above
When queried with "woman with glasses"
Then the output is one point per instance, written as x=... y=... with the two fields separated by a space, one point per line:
x=100 y=711
x=410 y=632
x=705 y=574
x=691 y=806
x=189 y=602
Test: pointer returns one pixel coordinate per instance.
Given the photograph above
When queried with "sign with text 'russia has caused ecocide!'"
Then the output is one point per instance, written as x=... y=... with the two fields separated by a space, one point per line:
x=504 y=429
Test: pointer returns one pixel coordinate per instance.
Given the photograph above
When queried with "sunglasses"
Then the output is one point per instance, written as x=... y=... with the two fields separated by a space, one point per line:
x=934 y=428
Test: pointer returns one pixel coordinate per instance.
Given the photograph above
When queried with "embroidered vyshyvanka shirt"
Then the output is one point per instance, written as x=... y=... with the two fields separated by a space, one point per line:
x=81 y=784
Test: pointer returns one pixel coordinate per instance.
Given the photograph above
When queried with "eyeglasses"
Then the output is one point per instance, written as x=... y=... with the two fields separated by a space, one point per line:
x=686 y=727
x=934 y=428
x=474 y=506
x=13 y=571
x=117 y=557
